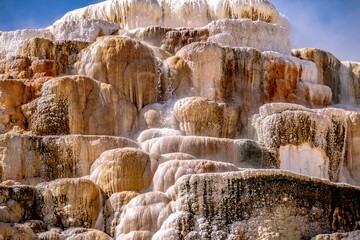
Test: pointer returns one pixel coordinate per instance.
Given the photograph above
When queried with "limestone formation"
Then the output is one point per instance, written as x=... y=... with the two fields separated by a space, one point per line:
x=158 y=115
x=241 y=153
x=338 y=236
x=168 y=172
x=328 y=67
x=10 y=41
x=74 y=234
x=288 y=131
x=31 y=159
x=16 y=231
x=157 y=132
x=60 y=53
x=85 y=30
x=126 y=169
x=225 y=32
x=350 y=83
x=14 y=94
x=247 y=78
x=69 y=202
x=129 y=14
x=17 y=203
x=113 y=209
x=81 y=105
x=176 y=119
x=258 y=205
x=128 y=65
x=144 y=215
x=201 y=117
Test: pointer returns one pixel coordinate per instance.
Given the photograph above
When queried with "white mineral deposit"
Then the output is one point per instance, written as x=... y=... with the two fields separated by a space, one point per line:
x=176 y=119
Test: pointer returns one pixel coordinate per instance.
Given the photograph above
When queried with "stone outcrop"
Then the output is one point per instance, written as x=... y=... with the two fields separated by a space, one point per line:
x=17 y=203
x=241 y=153
x=168 y=172
x=225 y=32
x=31 y=159
x=10 y=41
x=129 y=14
x=74 y=234
x=201 y=117
x=350 y=83
x=288 y=131
x=145 y=119
x=257 y=205
x=247 y=78
x=321 y=143
x=143 y=216
x=328 y=67
x=126 y=169
x=63 y=53
x=16 y=231
x=128 y=65
x=113 y=209
x=69 y=202
x=83 y=31
x=81 y=105
x=14 y=94
x=157 y=132
x=338 y=236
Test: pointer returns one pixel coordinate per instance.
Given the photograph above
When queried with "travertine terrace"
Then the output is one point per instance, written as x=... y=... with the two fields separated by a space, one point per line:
x=188 y=119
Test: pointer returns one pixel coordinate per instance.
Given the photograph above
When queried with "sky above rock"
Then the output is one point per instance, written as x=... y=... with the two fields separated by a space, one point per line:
x=332 y=25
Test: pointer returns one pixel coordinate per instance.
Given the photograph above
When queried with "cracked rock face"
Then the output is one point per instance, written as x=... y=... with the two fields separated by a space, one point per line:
x=258 y=204
x=30 y=160
x=69 y=203
x=145 y=119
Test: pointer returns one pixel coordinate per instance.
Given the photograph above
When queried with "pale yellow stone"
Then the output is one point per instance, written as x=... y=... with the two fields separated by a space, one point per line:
x=125 y=169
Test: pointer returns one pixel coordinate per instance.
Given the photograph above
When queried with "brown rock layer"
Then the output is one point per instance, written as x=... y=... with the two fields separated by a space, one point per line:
x=257 y=205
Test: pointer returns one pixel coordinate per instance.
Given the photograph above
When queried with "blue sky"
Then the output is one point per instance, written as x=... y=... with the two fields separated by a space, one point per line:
x=19 y=14
x=332 y=25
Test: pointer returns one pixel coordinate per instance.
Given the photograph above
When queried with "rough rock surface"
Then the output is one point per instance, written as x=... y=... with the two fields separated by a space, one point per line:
x=74 y=234
x=144 y=215
x=14 y=94
x=69 y=202
x=84 y=31
x=17 y=203
x=201 y=117
x=338 y=236
x=258 y=205
x=350 y=83
x=247 y=78
x=241 y=153
x=113 y=209
x=31 y=159
x=288 y=131
x=10 y=41
x=126 y=64
x=16 y=231
x=126 y=169
x=225 y=32
x=168 y=13
x=160 y=119
x=328 y=67
x=81 y=105
x=168 y=172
